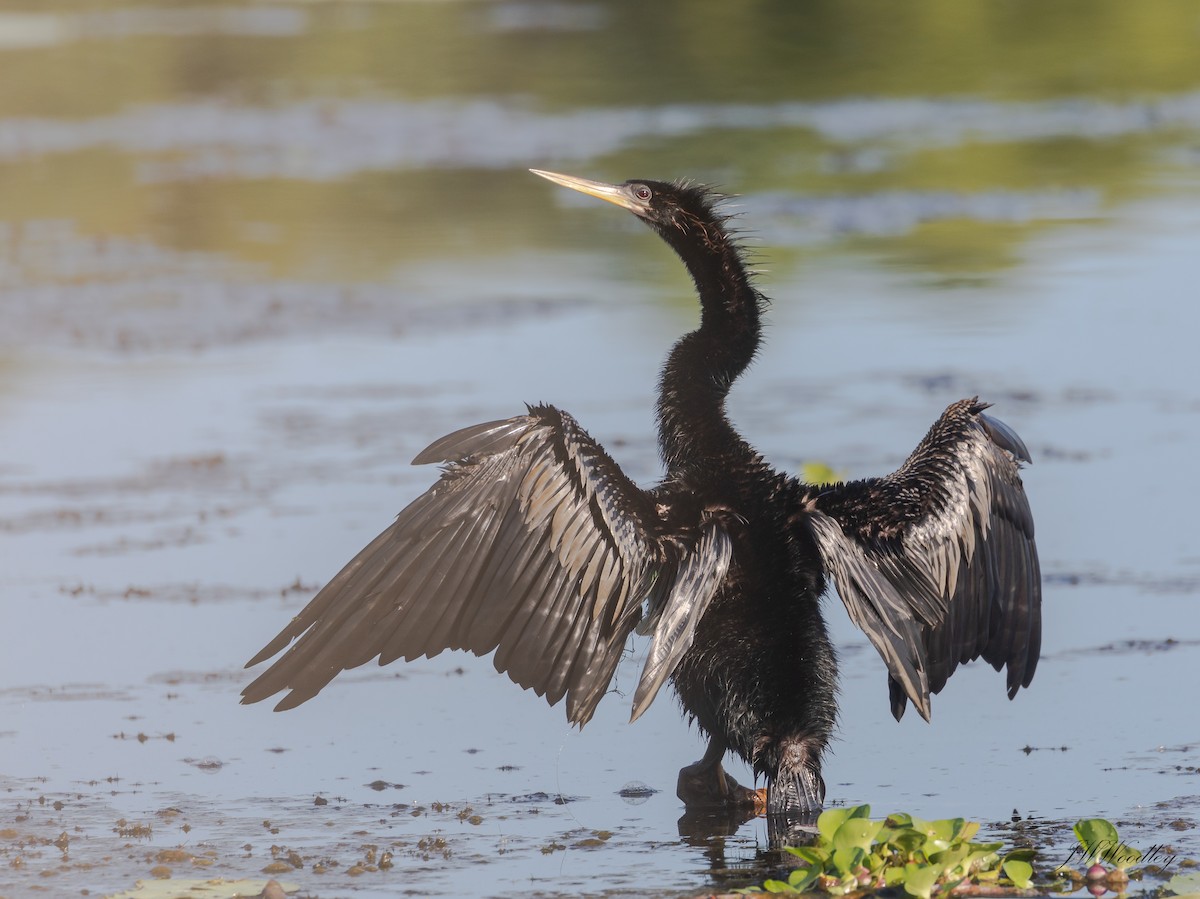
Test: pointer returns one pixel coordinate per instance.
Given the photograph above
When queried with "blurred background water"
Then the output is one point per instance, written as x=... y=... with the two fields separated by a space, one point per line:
x=254 y=257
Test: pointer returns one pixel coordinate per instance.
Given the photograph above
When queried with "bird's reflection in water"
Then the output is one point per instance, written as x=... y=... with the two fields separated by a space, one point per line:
x=711 y=831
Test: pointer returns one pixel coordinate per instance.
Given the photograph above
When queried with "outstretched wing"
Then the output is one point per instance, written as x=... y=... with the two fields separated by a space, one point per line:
x=936 y=562
x=533 y=543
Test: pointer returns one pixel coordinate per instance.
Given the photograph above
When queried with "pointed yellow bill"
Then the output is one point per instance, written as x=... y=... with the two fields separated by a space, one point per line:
x=613 y=193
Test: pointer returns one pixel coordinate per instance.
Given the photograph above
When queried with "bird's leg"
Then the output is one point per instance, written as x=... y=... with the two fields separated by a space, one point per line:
x=704 y=784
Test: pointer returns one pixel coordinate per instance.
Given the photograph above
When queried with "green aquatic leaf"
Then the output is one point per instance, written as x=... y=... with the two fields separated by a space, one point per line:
x=1019 y=872
x=847 y=883
x=983 y=857
x=945 y=831
x=919 y=880
x=860 y=832
x=802 y=879
x=819 y=473
x=1123 y=856
x=954 y=859
x=847 y=860
x=876 y=861
x=833 y=818
x=1096 y=836
x=885 y=834
x=938 y=834
x=1185 y=885
x=951 y=827
x=908 y=841
x=1100 y=842
x=810 y=855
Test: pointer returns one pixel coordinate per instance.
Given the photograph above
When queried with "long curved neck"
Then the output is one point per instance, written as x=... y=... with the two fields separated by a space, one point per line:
x=692 y=424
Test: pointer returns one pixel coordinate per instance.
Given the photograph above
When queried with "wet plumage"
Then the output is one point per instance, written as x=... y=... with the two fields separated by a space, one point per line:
x=535 y=546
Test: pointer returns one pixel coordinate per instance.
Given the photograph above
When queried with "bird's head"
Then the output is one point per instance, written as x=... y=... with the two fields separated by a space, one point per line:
x=668 y=208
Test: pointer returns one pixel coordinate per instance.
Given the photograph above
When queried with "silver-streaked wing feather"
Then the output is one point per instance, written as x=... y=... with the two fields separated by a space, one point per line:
x=937 y=562
x=699 y=578
x=879 y=608
x=533 y=543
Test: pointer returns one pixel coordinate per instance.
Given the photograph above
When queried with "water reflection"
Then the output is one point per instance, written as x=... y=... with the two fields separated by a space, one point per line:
x=302 y=138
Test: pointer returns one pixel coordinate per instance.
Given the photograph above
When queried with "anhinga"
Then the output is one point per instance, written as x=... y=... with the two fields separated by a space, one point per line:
x=535 y=545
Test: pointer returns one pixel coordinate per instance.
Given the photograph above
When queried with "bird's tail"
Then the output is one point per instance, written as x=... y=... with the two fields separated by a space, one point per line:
x=796 y=795
x=794 y=792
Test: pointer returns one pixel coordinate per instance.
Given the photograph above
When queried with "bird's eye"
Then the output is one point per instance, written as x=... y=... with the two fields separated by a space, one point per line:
x=643 y=193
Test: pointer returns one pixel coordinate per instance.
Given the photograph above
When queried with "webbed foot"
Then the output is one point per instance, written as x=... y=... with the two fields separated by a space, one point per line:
x=705 y=785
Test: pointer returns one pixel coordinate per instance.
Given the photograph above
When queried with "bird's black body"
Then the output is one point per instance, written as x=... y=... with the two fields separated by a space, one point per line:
x=761 y=674
x=535 y=545
x=766 y=618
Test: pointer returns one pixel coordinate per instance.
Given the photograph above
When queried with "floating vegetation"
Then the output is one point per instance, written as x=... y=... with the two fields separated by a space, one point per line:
x=853 y=854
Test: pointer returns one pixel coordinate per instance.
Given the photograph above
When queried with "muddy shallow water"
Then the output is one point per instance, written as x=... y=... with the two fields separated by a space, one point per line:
x=249 y=275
